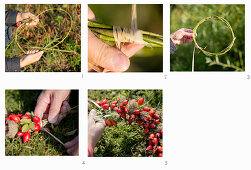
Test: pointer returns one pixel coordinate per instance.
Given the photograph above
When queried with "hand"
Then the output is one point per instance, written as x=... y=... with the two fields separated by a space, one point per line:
x=72 y=147
x=31 y=57
x=95 y=129
x=182 y=36
x=106 y=56
x=50 y=103
x=23 y=16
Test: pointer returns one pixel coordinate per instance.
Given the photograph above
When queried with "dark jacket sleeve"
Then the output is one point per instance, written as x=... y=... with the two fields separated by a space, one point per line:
x=12 y=64
x=10 y=18
x=172 y=47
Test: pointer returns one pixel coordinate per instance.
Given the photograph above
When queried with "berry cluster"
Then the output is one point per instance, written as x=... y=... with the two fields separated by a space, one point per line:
x=135 y=111
x=22 y=125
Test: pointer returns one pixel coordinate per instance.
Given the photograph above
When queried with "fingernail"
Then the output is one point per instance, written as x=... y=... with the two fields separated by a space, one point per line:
x=120 y=62
x=52 y=119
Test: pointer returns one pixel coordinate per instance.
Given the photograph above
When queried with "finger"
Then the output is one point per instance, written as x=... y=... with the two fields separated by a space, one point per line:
x=187 y=30
x=188 y=35
x=73 y=150
x=42 y=105
x=130 y=49
x=45 y=116
x=91 y=15
x=92 y=114
x=101 y=124
x=106 y=56
x=54 y=109
x=71 y=143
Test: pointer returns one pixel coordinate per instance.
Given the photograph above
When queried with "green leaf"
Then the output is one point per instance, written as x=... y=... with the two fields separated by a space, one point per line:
x=25 y=121
x=98 y=118
x=25 y=128
x=31 y=126
x=124 y=94
x=108 y=115
x=70 y=133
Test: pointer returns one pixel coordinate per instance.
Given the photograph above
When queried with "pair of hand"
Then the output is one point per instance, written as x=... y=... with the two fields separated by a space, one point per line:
x=182 y=36
x=51 y=103
x=33 y=55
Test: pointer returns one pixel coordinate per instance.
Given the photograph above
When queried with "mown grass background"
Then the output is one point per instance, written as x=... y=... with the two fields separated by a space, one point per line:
x=57 y=24
x=213 y=35
x=124 y=140
x=150 y=18
x=22 y=101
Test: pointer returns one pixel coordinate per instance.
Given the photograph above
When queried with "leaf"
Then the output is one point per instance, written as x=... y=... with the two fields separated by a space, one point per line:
x=70 y=133
x=124 y=94
x=98 y=118
x=31 y=126
x=12 y=129
x=25 y=128
x=108 y=115
x=114 y=98
x=25 y=121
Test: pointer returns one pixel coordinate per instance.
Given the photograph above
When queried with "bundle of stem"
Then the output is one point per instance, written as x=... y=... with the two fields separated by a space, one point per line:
x=105 y=33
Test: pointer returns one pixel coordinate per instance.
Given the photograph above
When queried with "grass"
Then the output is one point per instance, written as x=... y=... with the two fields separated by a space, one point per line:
x=213 y=35
x=124 y=140
x=57 y=24
x=22 y=101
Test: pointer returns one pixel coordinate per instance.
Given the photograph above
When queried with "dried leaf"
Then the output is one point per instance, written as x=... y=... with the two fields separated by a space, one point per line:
x=12 y=129
x=71 y=133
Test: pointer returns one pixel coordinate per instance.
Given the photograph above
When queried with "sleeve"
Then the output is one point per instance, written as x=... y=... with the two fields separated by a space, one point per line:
x=12 y=64
x=172 y=47
x=10 y=18
x=90 y=151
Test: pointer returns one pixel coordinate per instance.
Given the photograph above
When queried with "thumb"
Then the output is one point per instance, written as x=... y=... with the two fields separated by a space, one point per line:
x=106 y=56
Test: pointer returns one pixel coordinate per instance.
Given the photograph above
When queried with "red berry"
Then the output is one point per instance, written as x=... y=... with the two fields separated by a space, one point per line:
x=121 y=106
x=152 y=125
x=149 y=118
x=146 y=125
x=157 y=121
x=119 y=110
x=26 y=137
x=160 y=155
x=155 y=116
x=105 y=106
x=114 y=123
x=15 y=118
x=123 y=115
x=20 y=134
x=158 y=135
x=108 y=122
x=104 y=102
x=37 y=127
x=150 y=142
x=126 y=110
x=155 y=141
x=161 y=132
x=130 y=120
x=99 y=103
x=132 y=116
x=136 y=112
x=151 y=112
x=36 y=119
x=146 y=109
x=159 y=148
x=151 y=136
x=114 y=102
x=146 y=130
x=140 y=101
x=134 y=100
x=26 y=117
x=7 y=118
x=140 y=123
x=20 y=115
x=113 y=106
x=125 y=102
x=149 y=148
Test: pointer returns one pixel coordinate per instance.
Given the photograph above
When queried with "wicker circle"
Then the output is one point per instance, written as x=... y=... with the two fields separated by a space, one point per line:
x=224 y=50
